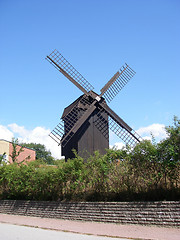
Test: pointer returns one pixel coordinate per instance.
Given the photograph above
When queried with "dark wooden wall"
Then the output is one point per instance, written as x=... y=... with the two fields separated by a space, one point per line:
x=93 y=135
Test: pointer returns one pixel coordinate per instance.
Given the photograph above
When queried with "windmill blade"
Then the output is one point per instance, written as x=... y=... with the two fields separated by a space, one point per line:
x=117 y=82
x=120 y=128
x=59 y=62
x=130 y=138
x=72 y=116
x=78 y=124
x=119 y=120
x=101 y=123
x=58 y=132
x=61 y=134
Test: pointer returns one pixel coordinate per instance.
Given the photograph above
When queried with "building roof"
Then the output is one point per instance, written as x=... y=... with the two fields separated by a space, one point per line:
x=70 y=107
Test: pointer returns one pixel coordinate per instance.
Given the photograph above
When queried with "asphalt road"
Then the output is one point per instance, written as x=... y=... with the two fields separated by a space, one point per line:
x=14 y=232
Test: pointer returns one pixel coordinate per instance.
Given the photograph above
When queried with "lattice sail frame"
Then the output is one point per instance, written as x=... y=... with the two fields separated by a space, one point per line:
x=72 y=117
x=56 y=59
x=58 y=132
x=131 y=138
x=118 y=82
x=127 y=137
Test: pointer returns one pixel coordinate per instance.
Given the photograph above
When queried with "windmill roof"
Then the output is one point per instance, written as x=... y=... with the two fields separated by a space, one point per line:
x=70 y=107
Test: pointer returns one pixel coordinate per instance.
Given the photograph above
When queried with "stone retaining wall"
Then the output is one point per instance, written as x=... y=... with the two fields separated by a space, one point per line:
x=155 y=213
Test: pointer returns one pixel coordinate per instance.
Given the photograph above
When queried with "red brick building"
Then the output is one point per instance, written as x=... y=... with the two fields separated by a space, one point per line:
x=6 y=148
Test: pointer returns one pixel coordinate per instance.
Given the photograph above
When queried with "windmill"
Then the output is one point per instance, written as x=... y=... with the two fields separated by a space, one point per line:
x=84 y=125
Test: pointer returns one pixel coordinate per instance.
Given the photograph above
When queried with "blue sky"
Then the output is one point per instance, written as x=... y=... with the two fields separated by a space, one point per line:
x=97 y=37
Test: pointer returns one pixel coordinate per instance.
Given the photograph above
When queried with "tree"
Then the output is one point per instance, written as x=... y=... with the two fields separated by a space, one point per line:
x=173 y=139
x=169 y=153
x=41 y=152
x=15 y=152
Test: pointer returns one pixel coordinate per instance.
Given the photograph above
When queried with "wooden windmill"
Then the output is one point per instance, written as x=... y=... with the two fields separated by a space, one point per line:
x=85 y=124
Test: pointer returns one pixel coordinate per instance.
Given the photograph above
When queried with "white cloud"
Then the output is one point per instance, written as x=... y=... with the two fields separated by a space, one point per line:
x=18 y=129
x=5 y=133
x=156 y=129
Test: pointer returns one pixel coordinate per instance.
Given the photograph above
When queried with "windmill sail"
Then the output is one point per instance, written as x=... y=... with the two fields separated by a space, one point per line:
x=78 y=124
x=58 y=132
x=130 y=138
x=120 y=128
x=65 y=130
x=117 y=82
x=59 y=62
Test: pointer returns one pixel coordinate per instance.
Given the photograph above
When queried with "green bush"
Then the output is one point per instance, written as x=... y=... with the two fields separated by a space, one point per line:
x=148 y=172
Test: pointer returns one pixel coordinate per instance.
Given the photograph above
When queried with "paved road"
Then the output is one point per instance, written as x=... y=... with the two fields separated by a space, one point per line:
x=121 y=231
x=14 y=232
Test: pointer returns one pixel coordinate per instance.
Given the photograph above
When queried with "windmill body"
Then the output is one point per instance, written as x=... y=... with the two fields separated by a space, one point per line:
x=85 y=124
x=89 y=136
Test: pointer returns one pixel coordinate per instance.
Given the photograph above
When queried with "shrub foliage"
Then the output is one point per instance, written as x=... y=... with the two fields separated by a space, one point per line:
x=150 y=171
